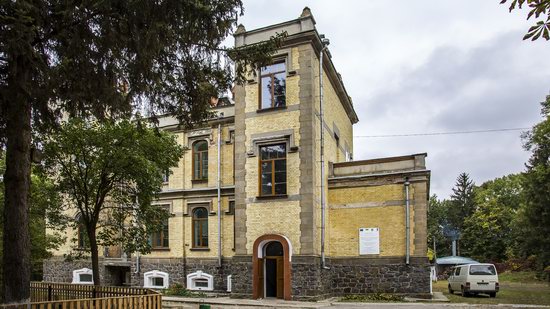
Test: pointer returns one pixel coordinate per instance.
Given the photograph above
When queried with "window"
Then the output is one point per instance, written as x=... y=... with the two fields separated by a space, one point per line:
x=166 y=176
x=337 y=139
x=274 y=248
x=232 y=211
x=273 y=85
x=83 y=276
x=457 y=271
x=160 y=239
x=86 y=278
x=200 y=281
x=82 y=235
x=200 y=228
x=155 y=279
x=273 y=170
x=482 y=270
x=200 y=160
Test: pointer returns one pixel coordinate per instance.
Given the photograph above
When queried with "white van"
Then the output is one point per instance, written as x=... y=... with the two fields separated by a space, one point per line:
x=474 y=279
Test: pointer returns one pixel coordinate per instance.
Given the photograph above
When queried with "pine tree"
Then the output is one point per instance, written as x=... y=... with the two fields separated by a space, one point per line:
x=462 y=204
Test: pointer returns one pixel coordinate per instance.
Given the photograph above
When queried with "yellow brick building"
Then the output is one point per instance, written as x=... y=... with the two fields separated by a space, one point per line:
x=254 y=215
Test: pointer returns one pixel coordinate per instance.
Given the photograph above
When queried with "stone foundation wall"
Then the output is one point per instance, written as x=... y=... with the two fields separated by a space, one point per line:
x=241 y=277
x=309 y=281
x=174 y=267
x=357 y=277
x=59 y=270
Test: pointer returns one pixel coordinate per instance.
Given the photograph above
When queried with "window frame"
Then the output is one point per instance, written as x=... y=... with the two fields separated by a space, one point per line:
x=201 y=153
x=260 y=161
x=271 y=75
x=194 y=221
x=82 y=234
x=162 y=236
x=166 y=176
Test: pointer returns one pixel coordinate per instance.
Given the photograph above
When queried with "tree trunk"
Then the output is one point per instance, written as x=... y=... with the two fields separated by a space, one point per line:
x=95 y=256
x=16 y=261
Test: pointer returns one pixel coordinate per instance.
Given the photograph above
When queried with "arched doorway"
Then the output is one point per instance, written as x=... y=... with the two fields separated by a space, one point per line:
x=271 y=267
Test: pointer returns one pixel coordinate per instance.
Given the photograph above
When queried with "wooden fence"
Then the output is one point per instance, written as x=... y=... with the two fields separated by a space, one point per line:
x=46 y=295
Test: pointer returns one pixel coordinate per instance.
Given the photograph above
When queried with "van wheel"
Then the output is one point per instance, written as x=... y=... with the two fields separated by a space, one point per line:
x=450 y=289
x=493 y=294
x=464 y=293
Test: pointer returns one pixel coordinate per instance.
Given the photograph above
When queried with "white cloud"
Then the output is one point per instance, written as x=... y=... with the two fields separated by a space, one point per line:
x=425 y=66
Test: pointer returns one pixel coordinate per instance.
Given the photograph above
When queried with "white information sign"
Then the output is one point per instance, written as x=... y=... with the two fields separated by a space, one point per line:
x=369 y=240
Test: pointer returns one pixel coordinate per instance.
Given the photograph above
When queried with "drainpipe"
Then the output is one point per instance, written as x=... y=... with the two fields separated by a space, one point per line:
x=219 y=195
x=407 y=222
x=325 y=43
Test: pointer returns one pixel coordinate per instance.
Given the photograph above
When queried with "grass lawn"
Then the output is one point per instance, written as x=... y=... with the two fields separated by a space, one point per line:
x=515 y=288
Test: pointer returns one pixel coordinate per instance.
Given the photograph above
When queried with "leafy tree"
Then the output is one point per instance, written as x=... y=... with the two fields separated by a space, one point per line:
x=106 y=59
x=437 y=222
x=110 y=173
x=533 y=222
x=487 y=232
x=537 y=8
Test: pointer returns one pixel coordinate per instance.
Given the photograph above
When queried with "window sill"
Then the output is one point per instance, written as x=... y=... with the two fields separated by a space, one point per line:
x=199 y=249
x=272 y=197
x=160 y=249
x=199 y=180
x=270 y=109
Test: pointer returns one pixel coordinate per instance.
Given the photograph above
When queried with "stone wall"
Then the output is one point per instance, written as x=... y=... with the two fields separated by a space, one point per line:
x=353 y=277
x=59 y=270
x=309 y=281
x=241 y=279
x=178 y=269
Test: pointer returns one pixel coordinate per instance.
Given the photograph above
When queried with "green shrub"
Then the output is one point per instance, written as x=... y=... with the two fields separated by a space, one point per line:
x=179 y=290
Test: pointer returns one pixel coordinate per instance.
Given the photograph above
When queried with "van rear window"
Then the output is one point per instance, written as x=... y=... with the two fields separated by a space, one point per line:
x=483 y=270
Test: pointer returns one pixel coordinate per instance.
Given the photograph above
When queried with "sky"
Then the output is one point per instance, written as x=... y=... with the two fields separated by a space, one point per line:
x=431 y=66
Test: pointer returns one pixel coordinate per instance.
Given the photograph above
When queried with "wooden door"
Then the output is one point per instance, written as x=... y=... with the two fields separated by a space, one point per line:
x=261 y=280
x=280 y=276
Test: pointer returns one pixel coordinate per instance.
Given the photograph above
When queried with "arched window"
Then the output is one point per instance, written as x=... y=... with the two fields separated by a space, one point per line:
x=200 y=227
x=274 y=248
x=81 y=233
x=200 y=160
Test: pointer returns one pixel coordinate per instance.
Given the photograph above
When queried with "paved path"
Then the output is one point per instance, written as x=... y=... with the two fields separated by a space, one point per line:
x=226 y=302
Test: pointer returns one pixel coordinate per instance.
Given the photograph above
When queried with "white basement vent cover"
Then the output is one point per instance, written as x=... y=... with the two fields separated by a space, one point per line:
x=200 y=281
x=83 y=276
x=155 y=280
x=369 y=240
